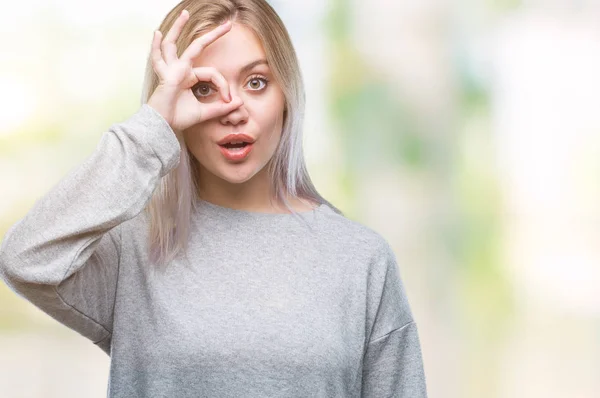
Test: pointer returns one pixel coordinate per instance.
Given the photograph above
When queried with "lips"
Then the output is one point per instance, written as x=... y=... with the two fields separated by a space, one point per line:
x=236 y=154
x=236 y=147
x=236 y=140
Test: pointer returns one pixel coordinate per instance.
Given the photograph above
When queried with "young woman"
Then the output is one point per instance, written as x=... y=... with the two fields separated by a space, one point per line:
x=192 y=247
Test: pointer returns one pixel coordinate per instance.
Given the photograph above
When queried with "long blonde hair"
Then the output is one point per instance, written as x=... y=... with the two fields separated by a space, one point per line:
x=172 y=204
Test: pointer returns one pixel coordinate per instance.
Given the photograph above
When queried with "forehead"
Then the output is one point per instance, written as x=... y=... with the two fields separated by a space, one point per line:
x=232 y=51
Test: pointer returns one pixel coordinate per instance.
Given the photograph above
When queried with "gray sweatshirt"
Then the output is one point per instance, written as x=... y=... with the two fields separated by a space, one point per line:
x=266 y=306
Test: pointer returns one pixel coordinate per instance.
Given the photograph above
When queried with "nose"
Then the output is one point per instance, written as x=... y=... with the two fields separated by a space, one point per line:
x=237 y=116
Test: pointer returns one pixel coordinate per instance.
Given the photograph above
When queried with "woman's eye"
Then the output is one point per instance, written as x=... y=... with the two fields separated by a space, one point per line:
x=202 y=90
x=255 y=85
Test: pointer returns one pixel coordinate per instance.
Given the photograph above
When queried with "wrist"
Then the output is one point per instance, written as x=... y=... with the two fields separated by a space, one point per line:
x=161 y=104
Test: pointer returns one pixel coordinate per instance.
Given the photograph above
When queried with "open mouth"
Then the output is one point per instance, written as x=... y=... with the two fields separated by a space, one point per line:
x=236 y=151
x=234 y=146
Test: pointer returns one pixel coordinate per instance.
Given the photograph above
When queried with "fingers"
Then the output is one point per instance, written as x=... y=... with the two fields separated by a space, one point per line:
x=155 y=54
x=213 y=75
x=216 y=109
x=196 y=47
x=169 y=48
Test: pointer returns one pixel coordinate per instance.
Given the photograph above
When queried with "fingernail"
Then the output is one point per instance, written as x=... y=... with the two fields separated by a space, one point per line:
x=230 y=97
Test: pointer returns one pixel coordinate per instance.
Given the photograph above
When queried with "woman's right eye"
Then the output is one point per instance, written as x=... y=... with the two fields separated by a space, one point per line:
x=201 y=89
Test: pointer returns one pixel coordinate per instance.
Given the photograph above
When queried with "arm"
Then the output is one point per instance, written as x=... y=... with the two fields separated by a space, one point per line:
x=392 y=364
x=63 y=256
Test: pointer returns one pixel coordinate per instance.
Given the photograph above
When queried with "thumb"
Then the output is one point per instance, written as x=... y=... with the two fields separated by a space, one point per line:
x=219 y=108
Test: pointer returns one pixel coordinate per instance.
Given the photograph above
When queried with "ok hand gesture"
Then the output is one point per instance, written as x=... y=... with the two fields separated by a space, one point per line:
x=173 y=97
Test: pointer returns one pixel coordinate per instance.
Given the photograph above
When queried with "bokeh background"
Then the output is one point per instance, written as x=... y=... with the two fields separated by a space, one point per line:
x=467 y=133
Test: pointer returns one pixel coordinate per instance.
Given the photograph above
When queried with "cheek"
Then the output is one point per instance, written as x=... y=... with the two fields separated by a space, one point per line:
x=196 y=140
x=269 y=109
x=272 y=129
x=270 y=120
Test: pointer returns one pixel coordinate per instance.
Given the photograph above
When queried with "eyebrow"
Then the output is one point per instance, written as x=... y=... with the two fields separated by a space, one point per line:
x=253 y=64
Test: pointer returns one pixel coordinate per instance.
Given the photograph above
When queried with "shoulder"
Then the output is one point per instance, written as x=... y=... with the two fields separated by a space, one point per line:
x=354 y=236
x=359 y=250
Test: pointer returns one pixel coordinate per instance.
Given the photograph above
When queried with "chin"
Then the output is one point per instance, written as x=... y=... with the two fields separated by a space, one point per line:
x=237 y=176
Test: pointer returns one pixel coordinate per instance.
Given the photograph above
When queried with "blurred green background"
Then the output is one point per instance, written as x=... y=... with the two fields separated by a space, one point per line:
x=466 y=133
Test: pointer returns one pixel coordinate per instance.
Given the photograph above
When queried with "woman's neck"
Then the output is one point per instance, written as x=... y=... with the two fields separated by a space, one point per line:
x=252 y=195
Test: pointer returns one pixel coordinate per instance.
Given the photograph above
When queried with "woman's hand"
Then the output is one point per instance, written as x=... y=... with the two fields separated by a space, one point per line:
x=173 y=97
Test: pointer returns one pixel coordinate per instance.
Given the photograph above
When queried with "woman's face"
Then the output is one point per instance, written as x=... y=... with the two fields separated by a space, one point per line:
x=260 y=116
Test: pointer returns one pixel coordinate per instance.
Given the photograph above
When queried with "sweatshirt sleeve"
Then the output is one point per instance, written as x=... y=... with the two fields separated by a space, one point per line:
x=64 y=255
x=392 y=364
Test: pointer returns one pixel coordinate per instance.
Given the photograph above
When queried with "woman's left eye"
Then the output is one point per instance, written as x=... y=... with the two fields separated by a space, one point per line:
x=254 y=83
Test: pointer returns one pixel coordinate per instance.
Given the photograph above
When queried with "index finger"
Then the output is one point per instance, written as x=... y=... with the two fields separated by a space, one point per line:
x=196 y=47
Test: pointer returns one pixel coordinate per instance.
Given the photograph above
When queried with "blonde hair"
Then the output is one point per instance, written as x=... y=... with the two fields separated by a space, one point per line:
x=174 y=201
